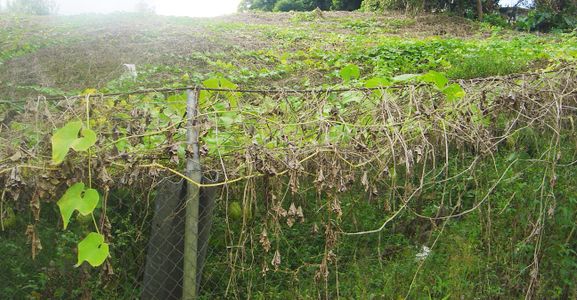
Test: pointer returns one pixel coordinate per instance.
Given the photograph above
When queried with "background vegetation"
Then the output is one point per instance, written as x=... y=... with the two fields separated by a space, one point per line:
x=524 y=15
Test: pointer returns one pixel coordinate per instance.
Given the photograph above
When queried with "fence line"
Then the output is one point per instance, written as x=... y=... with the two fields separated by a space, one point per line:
x=269 y=235
x=287 y=91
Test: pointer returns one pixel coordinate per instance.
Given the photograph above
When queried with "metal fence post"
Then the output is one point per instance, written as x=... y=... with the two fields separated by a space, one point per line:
x=193 y=171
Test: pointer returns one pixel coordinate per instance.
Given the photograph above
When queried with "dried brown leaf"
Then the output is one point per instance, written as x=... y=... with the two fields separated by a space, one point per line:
x=264 y=241
x=276 y=260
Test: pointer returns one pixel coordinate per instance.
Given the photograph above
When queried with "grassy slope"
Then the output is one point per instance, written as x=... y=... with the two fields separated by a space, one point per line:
x=64 y=55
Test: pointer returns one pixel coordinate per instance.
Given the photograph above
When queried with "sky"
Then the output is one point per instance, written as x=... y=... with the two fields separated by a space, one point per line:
x=191 y=8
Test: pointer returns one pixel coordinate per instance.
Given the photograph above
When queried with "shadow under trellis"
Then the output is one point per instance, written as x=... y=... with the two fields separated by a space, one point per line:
x=163 y=273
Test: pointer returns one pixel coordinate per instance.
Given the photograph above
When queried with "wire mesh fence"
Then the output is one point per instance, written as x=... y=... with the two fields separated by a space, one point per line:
x=306 y=194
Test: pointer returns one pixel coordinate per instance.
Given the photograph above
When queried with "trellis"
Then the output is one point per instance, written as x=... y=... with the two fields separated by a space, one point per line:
x=287 y=143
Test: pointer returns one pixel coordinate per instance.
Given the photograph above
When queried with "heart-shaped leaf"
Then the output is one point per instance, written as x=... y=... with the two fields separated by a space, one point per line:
x=377 y=82
x=220 y=83
x=63 y=139
x=67 y=137
x=92 y=249
x=350 y=72
x=178 y=103
x=453 y=92
x=436 y=78
x=73 y=199
x=86 y=141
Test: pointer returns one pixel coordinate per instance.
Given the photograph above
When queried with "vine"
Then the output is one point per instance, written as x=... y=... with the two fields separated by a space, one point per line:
x=79 y=137
x=379 y=133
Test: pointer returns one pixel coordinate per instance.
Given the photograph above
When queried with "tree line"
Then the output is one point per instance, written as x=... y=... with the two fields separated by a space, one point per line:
x=30 y=7
x=546 y=14
x=469 y=8
x=50 y=7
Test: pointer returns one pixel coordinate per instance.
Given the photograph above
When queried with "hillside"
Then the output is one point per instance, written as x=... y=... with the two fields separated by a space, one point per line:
x=63 y=55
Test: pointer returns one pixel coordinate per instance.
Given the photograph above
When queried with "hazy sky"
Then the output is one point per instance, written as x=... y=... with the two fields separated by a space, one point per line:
x=193 y=8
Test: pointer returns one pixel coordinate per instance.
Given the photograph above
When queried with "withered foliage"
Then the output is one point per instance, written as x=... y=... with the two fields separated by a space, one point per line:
x=331 y=142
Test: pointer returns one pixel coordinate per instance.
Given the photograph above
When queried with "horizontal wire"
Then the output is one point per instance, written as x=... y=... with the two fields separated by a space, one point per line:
x=279 y=91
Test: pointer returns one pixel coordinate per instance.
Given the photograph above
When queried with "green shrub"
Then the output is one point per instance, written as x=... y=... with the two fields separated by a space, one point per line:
x=346 y=4
x=495 y=19
x=291 y=5
x=380 y=5
x=546 y=20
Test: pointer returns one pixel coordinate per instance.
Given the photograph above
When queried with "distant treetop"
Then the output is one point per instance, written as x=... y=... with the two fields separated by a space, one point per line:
x=299 y=5
x=32 y=7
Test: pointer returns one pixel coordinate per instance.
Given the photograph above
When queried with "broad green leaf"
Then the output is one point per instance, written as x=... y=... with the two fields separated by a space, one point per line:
x=212 y=83
x=92 y=249
x=67 y=137
x=232 y=97
x=226 y=84
x=73 y=199
x=453 y=92
x=350 y=72
x=89 y=202
x=220 y=83
x=87 y=140
x=205 y=95
x=377 y=82
x=436 y=78
x=63 y=139
x=177 y=103
x=405 y=77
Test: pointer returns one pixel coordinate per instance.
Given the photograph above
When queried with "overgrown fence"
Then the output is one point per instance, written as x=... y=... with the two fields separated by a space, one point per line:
x=338 y=193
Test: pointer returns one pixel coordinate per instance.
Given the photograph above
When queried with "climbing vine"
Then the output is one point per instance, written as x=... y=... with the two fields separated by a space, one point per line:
x=79 y=137
x=388 y=138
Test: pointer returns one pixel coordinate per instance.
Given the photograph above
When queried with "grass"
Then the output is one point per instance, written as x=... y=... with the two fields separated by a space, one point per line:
x=257 y=49
x=472 y=258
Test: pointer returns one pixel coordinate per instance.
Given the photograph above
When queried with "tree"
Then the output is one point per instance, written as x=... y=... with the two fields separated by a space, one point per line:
x=480 y=10
x=346 y=4
x=32 y=7
x=297 y=5
x=143 y=7
x=264 y=5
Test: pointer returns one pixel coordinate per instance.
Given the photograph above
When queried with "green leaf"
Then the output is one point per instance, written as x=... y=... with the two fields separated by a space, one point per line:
x=436 y=78
x=226 y=84
x=73 y=199
x=377 y=82
x=67 y=137
x=63 y=139
x=220 y=83
x=350 y=72
x=87 y=140
x=212 y=83
x=177 y=103
x=92 y=249
x=231 y=96
x=453 y=92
